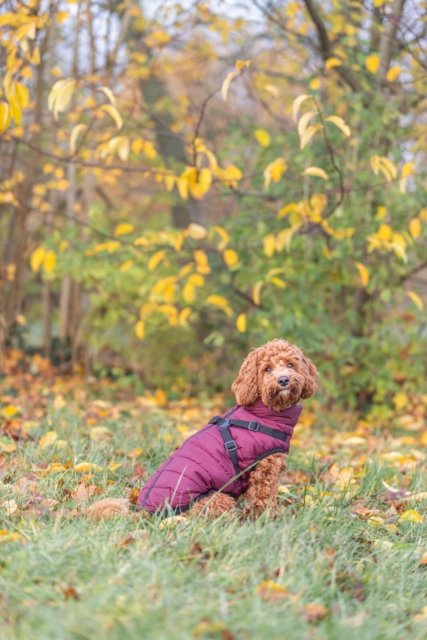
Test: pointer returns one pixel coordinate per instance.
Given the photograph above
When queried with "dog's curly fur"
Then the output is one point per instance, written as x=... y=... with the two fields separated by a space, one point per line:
x=258 y=378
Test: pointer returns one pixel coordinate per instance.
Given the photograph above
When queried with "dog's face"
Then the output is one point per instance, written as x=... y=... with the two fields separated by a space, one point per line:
x=278 y=373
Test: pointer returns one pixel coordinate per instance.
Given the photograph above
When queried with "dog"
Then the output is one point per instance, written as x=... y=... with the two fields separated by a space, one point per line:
x=239 y=454
x=243 y=452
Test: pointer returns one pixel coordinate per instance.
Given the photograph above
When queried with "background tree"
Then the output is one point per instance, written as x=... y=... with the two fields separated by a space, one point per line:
x=180 y=183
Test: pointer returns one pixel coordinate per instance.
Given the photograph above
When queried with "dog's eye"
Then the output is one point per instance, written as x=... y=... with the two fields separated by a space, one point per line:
x=267 y=369
x=290 y=365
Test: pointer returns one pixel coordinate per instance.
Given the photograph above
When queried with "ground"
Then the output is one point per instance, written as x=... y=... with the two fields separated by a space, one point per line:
x=344 y=558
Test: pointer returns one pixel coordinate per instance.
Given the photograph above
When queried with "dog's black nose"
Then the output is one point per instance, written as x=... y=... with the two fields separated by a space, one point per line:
x=283 y=381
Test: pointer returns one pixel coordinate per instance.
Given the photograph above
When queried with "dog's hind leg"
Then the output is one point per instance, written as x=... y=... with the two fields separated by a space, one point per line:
x=213 y=506
x=263 y=486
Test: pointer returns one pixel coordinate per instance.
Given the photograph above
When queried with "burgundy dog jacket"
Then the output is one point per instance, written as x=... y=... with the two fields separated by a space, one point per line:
x=210 y=459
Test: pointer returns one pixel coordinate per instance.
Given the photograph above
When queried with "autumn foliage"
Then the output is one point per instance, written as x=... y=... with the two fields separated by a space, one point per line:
x=182 y=183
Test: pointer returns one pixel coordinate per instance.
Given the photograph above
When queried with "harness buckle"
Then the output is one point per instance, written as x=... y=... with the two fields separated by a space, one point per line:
x=253 y=426
x=231 y=445
x=215 y=420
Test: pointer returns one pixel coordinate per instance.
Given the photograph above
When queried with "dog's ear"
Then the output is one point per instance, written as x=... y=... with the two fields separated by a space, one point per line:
x=245 y=386
x=310 y=384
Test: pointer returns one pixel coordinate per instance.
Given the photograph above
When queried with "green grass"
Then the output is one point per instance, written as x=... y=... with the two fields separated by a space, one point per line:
x=72 y=579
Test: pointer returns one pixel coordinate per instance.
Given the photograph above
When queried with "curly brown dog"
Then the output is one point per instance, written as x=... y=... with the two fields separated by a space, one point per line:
x=243 y=452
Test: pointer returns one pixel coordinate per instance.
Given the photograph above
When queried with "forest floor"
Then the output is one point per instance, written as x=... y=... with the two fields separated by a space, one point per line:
x=345 y=557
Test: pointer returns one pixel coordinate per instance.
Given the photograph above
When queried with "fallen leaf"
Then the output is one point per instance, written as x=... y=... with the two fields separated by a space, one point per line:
x=135 y=453
x=315 y=612
x=100 y=433
x=171 y=522
x=11 y=536
x=271 y=591
x=411 y=516
x=48 y=439
x=9 y=507
x=133 y=536
x=87 y=466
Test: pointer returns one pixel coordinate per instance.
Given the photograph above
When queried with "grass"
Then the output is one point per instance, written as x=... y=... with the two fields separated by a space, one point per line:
x=70 y=578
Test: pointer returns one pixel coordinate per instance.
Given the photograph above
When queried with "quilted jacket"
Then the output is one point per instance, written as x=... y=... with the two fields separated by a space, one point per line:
x=202 y=464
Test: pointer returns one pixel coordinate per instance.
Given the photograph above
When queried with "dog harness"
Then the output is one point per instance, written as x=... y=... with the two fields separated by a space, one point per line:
x=219 y=457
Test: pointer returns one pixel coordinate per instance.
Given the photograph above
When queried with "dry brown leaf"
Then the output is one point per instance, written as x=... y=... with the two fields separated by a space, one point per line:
x=315 y=612
x=134 y=536
x=83 y=492
x=107 y=508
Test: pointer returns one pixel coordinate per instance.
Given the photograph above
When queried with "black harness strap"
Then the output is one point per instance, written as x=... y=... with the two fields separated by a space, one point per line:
x=224 y=425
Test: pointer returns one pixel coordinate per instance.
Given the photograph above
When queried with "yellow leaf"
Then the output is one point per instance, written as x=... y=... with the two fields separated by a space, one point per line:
x=416 y=299
x=126 y=266
x=189 y=292
x=11 y=536
x=278 y=282
x=22 y=95
x=109 y=94
x=87 y=466
x=171 y=522
x=48 y=439
x=10 y=411
x=140 y=329
x=156 y=259
x=256 y=293
x=314 y=84
x=393 y=74
x=183 y=316
x=411 y=516
x=339 y=122
x=37 y=258
x=226 y=84
x=274 y=171
x=381 y=212
x=372 y=63
x=241 y=323
x=308 y=134
x=231 y=258
x=284 y=239
x=114 y=466
x=196 y=231
x=113 y=112
x=269 y=245
x=262 y=137
x=196 y=279
x=316 y=171
x=292 y=206
x=242 y=63
x=304 y=120
x=49 y=261
x=77 y=130
x=385 y=232
x=5 y=116
x=225 y=238
x=415 y=228
x=364 y=273
x=297 y=103
x=60 y=96
x=59 y=403
x=170 y=182
x=123 y=228
x=16 y=110
x=332 y=62
x=182 y=184
x=100 y=433
x=400 y=400
x=218 y=301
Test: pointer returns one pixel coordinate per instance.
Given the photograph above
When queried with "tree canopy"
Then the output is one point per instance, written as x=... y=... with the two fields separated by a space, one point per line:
x=183 y=181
